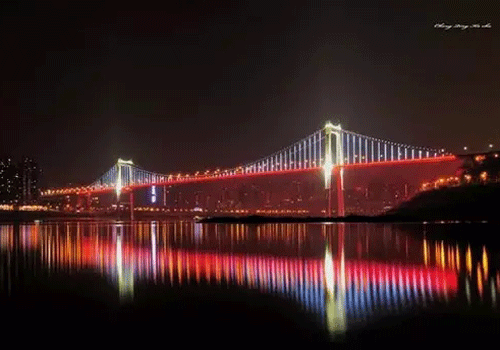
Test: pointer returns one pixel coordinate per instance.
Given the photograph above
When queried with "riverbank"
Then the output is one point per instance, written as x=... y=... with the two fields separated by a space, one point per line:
x=255 y=219
x=476 y=202
x=20 y=216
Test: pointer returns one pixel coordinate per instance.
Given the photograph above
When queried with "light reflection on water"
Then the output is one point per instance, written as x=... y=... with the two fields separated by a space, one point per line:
x=345 y=276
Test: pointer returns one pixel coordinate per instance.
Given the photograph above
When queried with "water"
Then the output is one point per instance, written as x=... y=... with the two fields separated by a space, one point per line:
x=234 y=282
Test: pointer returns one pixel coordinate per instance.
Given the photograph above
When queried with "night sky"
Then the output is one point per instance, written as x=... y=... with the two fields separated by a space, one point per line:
x=205 y=84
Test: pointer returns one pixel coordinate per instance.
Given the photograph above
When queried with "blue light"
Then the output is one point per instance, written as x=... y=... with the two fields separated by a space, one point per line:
x=153 y=194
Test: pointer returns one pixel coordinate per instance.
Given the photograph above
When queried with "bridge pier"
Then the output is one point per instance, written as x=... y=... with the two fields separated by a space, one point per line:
x=339 y=174
x=131 y=195
x=89 y=201
x=339 y=179
x=329 y=207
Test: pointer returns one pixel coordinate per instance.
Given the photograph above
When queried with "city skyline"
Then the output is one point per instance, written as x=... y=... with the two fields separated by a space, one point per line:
x=199 y=87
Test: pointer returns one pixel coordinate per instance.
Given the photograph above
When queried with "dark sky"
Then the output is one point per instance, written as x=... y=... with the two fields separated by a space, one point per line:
x=202 y=84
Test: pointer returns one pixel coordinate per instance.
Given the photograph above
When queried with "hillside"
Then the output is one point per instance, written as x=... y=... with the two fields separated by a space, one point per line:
x=472 y=202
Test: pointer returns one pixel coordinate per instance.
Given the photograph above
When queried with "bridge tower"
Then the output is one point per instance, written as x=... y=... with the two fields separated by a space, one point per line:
x=124 y=179
x=339 y=162
x=88 y=197
x=329 y=165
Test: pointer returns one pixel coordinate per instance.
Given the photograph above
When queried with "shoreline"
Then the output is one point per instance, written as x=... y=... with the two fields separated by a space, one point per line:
x=253 y=219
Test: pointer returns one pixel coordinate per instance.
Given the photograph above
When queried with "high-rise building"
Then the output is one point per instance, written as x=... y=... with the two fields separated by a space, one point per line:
x=19 y=182
x=9 y=181
x=29 y=176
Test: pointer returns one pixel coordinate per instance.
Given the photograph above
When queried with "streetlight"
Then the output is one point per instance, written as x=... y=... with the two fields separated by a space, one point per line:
x=490 y=145
x=465 y=148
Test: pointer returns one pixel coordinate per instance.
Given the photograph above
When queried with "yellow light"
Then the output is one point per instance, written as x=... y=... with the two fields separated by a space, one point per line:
x=479 y=281
x=426 y=258
x=485 y=262
x=468 y=260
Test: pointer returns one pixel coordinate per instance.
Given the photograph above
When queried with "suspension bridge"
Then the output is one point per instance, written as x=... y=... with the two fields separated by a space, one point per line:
x=329 y=150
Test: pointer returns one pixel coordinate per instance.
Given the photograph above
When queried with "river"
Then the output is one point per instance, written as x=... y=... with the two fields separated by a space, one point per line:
x=339 y=282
